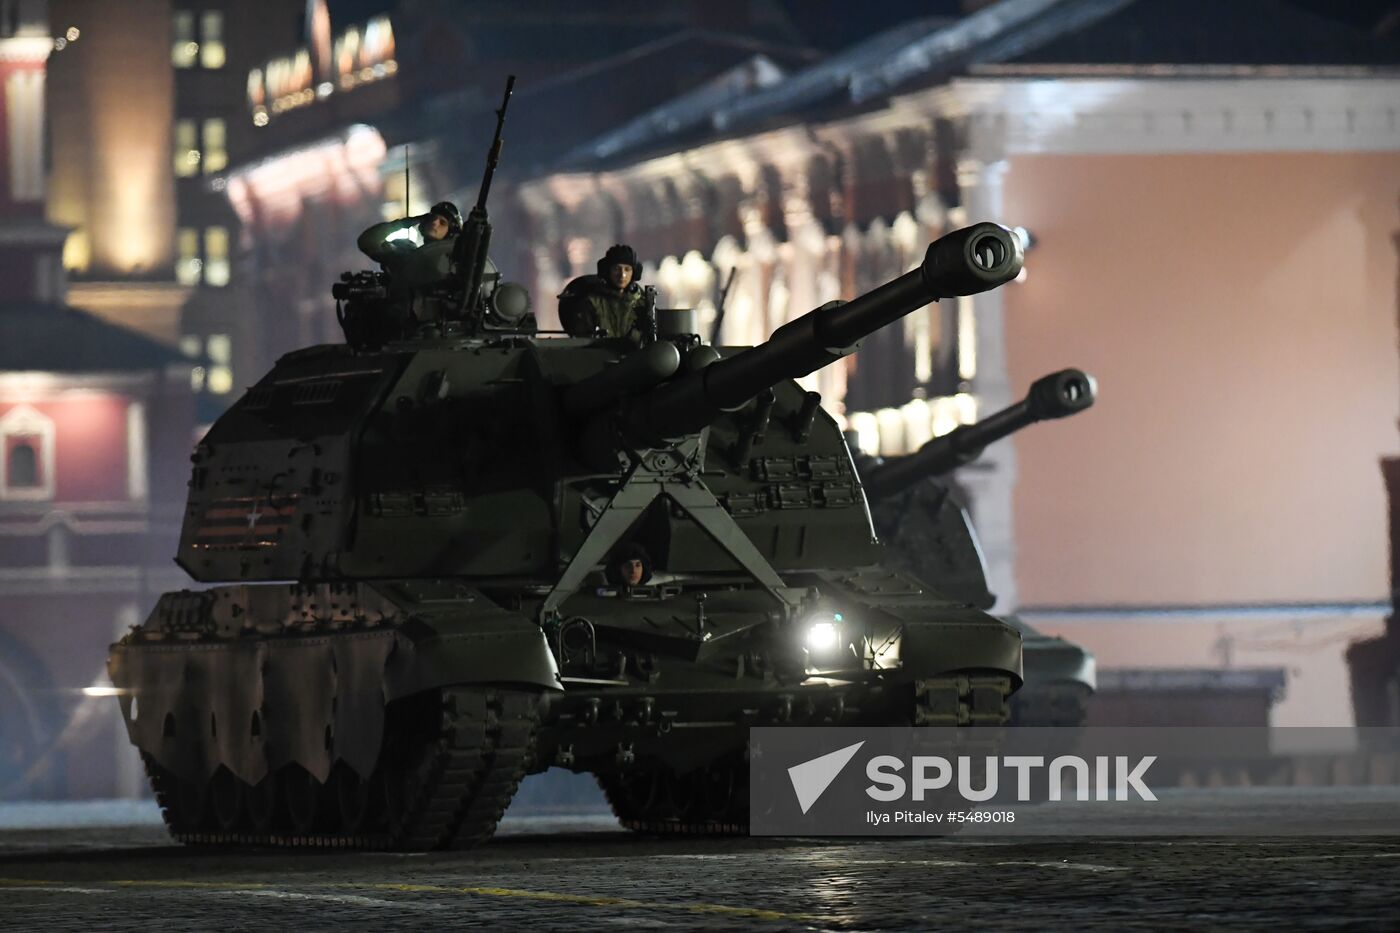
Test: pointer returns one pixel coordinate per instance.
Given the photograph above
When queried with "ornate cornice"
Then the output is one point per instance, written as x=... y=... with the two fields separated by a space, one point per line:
x=1006 y=116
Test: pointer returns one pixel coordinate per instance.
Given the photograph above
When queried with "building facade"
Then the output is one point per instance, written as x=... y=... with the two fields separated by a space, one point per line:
x=134 y=164
x=95 y=422
x=111 y=182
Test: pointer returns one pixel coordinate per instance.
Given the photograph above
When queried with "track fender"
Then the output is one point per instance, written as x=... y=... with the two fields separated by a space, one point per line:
x=444 y=647
x=958 y=641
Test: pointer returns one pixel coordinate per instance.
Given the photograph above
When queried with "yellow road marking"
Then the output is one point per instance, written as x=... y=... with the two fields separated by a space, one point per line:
x=727 y=910
x=198 y=885
x=756 y=913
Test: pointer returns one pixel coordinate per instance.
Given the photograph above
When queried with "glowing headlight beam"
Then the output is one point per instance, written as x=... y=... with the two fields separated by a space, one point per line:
x=823 y=637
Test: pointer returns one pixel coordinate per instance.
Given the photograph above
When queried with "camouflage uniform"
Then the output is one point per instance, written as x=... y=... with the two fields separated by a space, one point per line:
x=590 y=305
x=413 y=269
x=593 y=304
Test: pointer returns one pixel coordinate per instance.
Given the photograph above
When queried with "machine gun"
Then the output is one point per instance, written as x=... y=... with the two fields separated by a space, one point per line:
x=1057 y=395
x=719 y=305
x=475 y=238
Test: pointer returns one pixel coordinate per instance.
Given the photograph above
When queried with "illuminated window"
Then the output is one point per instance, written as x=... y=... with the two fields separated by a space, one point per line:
x=189 y=267
x=187 y=153
x=216 y=267
x=215 y=356
x=211 y=32
x=26 y=454
x=77 y=251
x=183 y=47
x=967 y=339
x=215 y=146
x=220 y=348
x=201 y=259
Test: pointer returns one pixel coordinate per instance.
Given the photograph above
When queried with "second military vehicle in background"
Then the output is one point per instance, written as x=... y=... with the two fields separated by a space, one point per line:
x=922 y=518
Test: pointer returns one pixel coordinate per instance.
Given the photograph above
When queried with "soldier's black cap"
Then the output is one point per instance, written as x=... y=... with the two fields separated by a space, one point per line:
x=628 y=551
x=448 y=212
x=620 y=254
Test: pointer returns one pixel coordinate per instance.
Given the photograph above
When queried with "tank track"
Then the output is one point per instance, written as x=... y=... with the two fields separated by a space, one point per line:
x=659 y=802
x=463 y=775
x=962 y=700
x=712 y=801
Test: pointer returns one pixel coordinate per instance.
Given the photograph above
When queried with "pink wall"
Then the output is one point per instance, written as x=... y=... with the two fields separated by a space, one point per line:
x=89 y=446
x=1239 y=312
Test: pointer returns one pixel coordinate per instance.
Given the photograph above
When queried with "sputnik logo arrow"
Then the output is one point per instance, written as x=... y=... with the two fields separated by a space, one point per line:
x=811 y=778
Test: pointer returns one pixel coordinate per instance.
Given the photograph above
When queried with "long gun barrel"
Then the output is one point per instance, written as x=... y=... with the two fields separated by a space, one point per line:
x=475 y=239
x=964 y=262
x=1057 y=395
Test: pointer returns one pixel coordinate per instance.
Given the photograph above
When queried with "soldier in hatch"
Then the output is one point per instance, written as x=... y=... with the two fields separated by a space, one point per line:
x=415 y=268
x=610 y=303
x=630 y=565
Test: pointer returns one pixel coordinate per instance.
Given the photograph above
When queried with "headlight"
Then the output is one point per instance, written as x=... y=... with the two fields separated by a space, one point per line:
x=823 y=637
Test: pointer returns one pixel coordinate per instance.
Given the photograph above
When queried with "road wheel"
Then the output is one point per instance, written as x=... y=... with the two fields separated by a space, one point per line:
x=352 y=797
x=302 y=794
x=226 y=794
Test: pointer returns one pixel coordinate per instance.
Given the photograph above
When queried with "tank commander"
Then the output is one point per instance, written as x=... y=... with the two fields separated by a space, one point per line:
x=416 y=269
x=609 y=303
x=413 y=265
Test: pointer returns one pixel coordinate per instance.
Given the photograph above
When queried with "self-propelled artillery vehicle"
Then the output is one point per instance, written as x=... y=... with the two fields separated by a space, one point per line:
x=410 y=537
x=919 y=514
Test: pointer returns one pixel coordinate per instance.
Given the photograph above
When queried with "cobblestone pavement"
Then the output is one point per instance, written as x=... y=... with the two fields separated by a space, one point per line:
x=583 y=873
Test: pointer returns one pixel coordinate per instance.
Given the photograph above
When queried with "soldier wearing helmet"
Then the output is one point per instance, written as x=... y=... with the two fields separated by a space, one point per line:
x=630 y=565
x=609 y=303
x=414 y=267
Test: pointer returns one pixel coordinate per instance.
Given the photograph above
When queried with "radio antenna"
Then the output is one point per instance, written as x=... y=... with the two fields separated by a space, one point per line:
x=407 y=203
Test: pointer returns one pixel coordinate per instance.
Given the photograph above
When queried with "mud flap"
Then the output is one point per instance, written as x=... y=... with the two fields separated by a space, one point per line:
x=255 y=706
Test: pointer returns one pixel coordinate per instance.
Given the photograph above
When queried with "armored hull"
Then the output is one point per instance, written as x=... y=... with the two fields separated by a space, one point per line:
x=414 y=604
